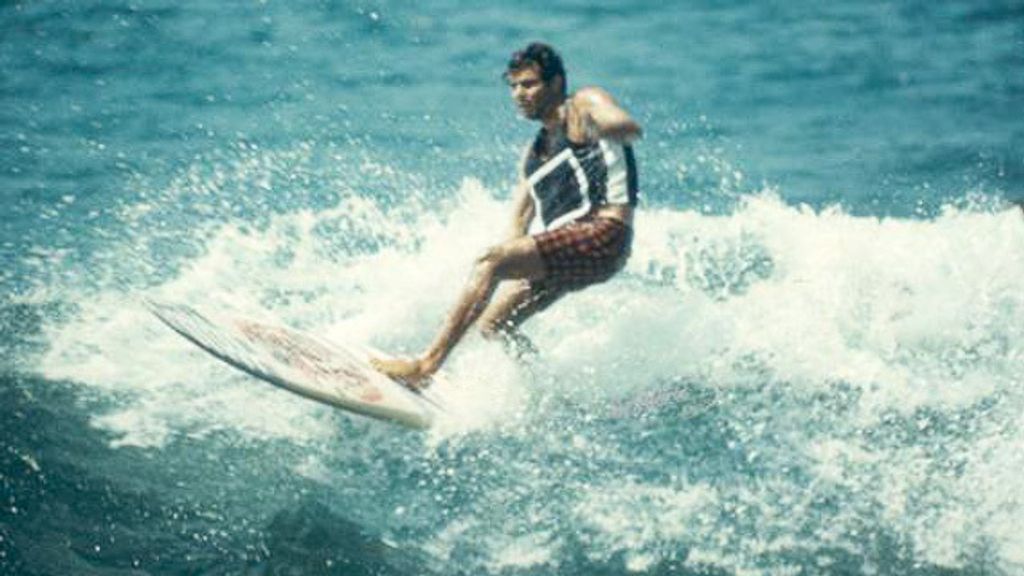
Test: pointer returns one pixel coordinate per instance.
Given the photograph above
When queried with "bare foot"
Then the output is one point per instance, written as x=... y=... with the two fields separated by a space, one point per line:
x=412 y=372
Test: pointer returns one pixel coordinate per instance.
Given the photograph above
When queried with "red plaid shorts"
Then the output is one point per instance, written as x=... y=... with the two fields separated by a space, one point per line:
x=582 y=253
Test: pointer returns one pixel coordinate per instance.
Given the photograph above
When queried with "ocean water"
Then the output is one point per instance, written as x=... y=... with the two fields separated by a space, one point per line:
x=811 y=364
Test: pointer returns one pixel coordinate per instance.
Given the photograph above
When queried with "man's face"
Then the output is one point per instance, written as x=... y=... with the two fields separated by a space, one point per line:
x=531 y=94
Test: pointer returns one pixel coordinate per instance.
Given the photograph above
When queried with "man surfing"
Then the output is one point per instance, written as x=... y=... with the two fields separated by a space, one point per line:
x=578 y=176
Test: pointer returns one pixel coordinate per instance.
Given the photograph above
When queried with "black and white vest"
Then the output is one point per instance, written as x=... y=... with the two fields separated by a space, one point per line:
x=574 y=178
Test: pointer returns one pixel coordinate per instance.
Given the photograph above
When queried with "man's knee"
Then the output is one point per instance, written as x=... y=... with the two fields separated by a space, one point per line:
x=510 y=260
x=488 y=263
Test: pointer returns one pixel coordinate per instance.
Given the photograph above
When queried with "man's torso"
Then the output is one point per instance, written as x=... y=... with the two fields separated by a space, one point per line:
x=569 y=181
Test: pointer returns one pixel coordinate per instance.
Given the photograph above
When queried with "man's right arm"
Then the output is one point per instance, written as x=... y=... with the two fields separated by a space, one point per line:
x=522 y=208
x=522 y=211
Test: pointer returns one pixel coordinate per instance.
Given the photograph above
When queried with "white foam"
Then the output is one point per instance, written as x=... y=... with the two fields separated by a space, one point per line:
x=638 y=517
x=770 y=307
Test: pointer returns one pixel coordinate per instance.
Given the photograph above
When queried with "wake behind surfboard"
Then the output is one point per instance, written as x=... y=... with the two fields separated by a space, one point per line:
x=332 y=373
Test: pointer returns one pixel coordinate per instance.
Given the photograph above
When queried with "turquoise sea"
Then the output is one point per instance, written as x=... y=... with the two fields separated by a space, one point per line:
x=811 y=364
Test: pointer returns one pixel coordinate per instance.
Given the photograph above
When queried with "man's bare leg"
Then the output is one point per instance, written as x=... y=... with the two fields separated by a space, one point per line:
x=516 y=302
x=501 y=319
x=515 y=259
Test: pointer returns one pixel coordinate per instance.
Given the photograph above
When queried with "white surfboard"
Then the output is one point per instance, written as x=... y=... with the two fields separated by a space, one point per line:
x=333 y=373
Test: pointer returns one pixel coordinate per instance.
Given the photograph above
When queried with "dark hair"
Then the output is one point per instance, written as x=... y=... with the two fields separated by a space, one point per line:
x=541 y=55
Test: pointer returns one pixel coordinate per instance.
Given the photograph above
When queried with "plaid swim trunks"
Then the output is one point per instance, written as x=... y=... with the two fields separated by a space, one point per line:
x=582 y=253
x=577 y=255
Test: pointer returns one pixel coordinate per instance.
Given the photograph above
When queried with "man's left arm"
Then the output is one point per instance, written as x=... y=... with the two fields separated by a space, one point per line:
x=597 y=115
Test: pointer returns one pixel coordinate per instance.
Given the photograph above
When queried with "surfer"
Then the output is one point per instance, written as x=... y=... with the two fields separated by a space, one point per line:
x=578 y=177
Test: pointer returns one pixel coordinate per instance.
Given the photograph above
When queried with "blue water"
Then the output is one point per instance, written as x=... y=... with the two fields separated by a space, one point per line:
x=811 y=364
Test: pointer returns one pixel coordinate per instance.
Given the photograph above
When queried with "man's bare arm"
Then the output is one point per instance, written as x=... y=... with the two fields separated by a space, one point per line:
x=522 y=212
x=595 y=114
